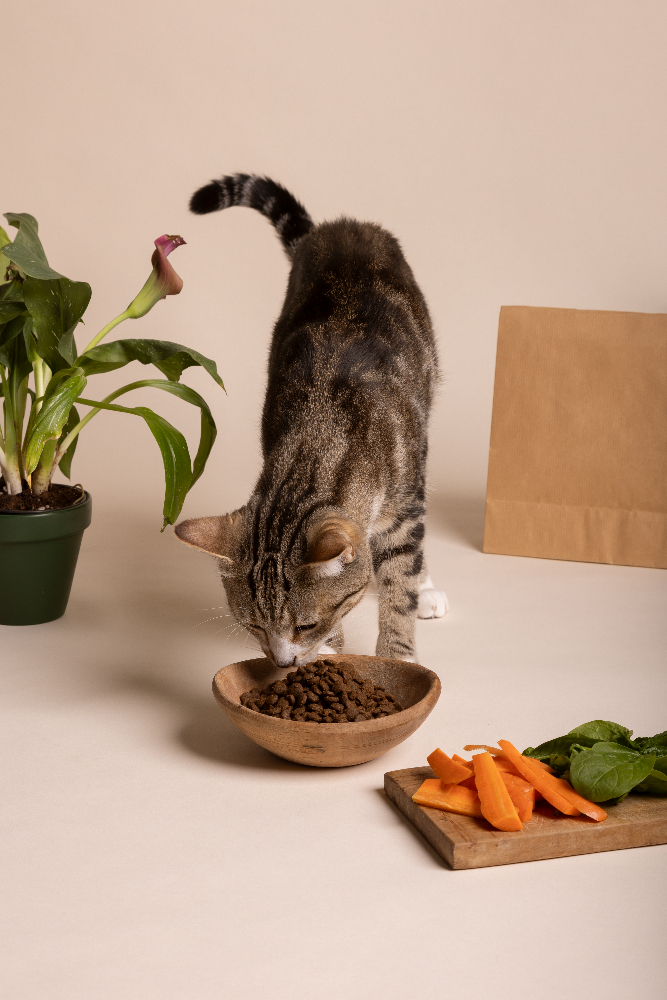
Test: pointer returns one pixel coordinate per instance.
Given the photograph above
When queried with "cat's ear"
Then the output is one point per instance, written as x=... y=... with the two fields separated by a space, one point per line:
x=332 y=544
x=215 y=535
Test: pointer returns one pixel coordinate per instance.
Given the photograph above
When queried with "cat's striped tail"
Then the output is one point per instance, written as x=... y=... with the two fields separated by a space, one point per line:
x=289 y=217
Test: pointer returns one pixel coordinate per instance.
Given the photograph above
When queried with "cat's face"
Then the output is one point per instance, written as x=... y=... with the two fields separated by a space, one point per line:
x=292 y=601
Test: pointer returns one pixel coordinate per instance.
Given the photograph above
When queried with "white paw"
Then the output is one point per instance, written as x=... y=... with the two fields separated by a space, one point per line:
x=326 y=650
x=432 y=604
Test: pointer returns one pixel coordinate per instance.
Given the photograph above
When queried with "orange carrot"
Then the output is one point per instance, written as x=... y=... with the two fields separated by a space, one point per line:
x=494 y=751
x=555 y=790
x=461 y=760
x=521 y=793
x=541 y=763
x=469 y=783
x=447 y=769
x=450 y=798
x=506 y=765
x=540 y=780
x=495 y=802
x=503 y=764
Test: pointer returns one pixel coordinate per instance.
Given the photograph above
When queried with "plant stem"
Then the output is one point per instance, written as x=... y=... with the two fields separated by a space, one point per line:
x=114 y=322
x=41 y=477
x=42 y=374
x=12 y=460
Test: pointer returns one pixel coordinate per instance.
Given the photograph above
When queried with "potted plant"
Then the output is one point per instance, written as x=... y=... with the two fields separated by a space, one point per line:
x=42 y=523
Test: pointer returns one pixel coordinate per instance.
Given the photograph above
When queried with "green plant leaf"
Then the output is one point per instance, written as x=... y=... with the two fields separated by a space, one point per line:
x=54 y=413
x=607 y=770
x=599 y=730
x=208 y=431
x=65 y=463
x=56 y=308
x=13 y=352
x=171 y=359
x=4 y=261
x=175 y=455
x=8 y=332
x=12 y=291
x=27 y=251
x=9 y=310
x=176 y=460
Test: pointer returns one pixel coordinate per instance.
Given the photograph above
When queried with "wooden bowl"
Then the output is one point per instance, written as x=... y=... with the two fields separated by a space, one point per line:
x=322 y=744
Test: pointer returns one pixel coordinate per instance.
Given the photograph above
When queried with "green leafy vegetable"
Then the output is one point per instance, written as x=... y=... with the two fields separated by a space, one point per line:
x=655 y=783
x=607 y=770
x=599 y=730
x=561 y=745
x=603 y=763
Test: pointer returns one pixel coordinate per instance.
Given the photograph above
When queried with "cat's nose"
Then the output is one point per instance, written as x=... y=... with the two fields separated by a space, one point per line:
x=283 y=651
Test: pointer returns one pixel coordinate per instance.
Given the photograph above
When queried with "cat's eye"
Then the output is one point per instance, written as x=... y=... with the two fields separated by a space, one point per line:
x=305 y=628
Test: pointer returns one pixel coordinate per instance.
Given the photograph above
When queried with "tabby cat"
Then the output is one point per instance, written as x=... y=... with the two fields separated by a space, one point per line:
x=352 y=372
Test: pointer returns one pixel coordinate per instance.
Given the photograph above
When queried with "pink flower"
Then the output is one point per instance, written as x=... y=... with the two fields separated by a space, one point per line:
x=163 y=280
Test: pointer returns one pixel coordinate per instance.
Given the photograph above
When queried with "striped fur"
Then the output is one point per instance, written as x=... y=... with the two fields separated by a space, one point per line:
x=352 y=373
x=283 y=211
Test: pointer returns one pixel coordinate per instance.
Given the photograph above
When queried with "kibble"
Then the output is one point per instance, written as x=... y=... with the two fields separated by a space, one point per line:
x=323 y=691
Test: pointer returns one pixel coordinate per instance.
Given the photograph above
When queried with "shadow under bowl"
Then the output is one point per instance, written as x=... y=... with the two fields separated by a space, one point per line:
x=321 y=744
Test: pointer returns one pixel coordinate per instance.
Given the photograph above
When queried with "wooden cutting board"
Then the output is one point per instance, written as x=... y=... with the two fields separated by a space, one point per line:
x=466 y=842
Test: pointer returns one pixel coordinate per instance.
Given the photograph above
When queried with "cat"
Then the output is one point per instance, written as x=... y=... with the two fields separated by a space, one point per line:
x=351 y=377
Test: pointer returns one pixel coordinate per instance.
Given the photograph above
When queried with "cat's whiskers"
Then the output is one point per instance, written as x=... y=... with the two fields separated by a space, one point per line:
x=215 y=618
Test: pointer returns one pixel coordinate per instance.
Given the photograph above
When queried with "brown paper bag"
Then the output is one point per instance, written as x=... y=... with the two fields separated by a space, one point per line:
x=578 y=456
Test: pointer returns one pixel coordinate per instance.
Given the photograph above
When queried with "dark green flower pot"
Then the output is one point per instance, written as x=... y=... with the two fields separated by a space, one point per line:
x=38 y=553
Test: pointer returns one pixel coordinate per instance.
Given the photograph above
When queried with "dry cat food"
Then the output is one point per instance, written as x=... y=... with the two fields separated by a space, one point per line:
x=323 y=691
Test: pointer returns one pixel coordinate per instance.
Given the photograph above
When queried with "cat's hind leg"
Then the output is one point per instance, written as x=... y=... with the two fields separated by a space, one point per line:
x=432 y=603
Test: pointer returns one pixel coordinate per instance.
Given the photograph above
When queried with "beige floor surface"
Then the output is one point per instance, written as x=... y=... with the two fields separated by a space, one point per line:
x=154 y=853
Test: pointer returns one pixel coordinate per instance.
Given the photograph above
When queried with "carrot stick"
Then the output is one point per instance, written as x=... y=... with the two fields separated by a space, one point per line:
x=542 y=764
x=521 y=793
x=447 y=769
x=495 y=802
x=540 y=780
x=449 y=798
x=503 y=764
x=461 y=760
x=506 y=765
x=553 y=788
x=494 y=751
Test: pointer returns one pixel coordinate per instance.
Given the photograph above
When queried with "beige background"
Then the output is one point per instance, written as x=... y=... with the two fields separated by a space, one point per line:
x=519 y=151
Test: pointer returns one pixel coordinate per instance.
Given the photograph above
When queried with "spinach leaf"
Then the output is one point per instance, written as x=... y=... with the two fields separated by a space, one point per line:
x=643 y=742
x=561 y=745
x=607 y=771
x=661 y=764
x=655 y=783
x=599 y=730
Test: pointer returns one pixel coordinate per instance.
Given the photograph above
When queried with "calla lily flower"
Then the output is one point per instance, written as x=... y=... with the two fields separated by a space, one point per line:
x=163 y=280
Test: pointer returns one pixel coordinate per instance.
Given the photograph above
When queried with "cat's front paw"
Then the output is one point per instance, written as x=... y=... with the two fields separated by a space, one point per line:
x=327 y=651
x=432 y=604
